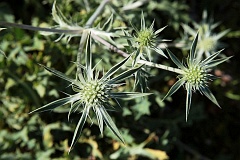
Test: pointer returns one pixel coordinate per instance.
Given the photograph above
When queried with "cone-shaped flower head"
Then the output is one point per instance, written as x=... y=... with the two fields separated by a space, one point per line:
x=208 y=41
x=145 y=40
x=194 y=75
x=93 y=91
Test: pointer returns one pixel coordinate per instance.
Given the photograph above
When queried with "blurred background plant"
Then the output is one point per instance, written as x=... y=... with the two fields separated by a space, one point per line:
x=152 y=129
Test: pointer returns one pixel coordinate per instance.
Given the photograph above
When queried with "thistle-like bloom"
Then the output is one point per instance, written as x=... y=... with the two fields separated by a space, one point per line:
x=194 y=75
x=93 y=92
x=145 y=40
x=208 y=41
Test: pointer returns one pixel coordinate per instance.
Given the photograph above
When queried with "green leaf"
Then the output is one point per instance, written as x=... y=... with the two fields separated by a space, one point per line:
x=160 y=51
x=193 y=49
x=175 y=59
x=174 y=88
x=142 y=21
x=59 y=74
x=160 y=30
x=128 y=95
x=114 y=69
x=109 y=122
x=32 y=28
x=188 y=99
x=54 y=104
x=99 y=119
x=209 y=95
x=217 y=62
x=142 y=107
x=189 y=29
x=210 y=58
x=88 y=59
x=74 y=107
x=79 y=127
x=221 y=34
x=124 y=75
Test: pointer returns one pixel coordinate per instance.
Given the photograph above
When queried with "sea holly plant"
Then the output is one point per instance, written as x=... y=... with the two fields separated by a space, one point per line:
x=93 y=92
x=145 y=40
x=194 y=74
x=208 y=41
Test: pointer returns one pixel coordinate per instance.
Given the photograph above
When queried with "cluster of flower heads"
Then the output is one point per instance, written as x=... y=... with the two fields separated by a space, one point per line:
x=95 y=92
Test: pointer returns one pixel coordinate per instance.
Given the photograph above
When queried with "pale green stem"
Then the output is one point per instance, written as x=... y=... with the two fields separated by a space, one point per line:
x=134 y=5
x=80 y=49
x=171 y=69
x=115 y=49
x=85 y=32
x=96 y=13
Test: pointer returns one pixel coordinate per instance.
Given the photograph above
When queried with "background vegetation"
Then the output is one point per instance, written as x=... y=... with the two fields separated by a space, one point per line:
x=152 y=129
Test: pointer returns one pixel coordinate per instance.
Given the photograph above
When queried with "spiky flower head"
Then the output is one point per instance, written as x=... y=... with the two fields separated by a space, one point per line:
x=194 y=75
x=144 y=40
x=208 y=41
x=93 y=92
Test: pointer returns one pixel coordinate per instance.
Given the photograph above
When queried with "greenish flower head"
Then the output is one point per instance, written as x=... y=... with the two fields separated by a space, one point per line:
x=207 y=44
x=208 y=41
x=94 y=93
x=194 y=75
x=145 y=37
x=143 y=41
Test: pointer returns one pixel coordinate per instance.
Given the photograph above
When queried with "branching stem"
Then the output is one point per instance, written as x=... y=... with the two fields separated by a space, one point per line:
x=89 y=23
x=124 y=54
x=96 y=13
x=171 y=69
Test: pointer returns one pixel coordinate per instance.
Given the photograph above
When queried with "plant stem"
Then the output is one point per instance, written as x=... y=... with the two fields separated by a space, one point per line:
x=171 y=69
x=86 y=32
x=80 y=49
x=96 y=13
x=124 y=54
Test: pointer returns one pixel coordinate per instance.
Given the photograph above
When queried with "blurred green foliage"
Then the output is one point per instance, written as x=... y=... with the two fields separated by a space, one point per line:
x=151 y=128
